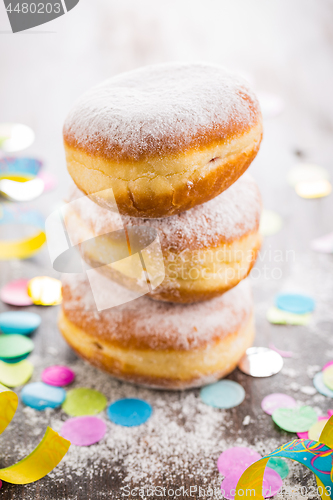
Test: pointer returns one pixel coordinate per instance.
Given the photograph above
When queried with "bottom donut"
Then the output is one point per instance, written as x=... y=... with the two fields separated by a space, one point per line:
x=158 y=344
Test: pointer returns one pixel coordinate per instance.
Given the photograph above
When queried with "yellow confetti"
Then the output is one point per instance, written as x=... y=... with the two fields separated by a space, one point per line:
x=45 y=291
x=313 y=189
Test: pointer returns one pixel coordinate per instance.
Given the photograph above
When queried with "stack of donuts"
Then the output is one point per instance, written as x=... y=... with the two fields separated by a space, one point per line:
x=166 y=222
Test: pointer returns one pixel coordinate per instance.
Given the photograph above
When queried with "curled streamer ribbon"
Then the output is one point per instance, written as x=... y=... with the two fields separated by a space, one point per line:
x=50 y=451
x=315 y=455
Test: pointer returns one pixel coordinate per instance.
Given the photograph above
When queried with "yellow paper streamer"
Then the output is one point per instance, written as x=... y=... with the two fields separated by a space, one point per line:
x=43 y=459
x=302 y=451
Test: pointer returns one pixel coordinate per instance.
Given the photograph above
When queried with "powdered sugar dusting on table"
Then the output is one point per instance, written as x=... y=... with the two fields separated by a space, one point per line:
x=229 y=216
x=160 y=325
x=161 y=108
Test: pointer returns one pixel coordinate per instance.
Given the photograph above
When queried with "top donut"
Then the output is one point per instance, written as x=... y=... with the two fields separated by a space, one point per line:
x=165 y=138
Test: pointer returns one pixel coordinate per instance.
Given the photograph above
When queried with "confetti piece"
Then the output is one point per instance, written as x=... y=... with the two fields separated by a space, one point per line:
x=11 y=165
x=19 y=322
x=306 y=172
x=58 y=375
x=284 y=354
x=41 y=396
x=318 y=382
x=277 y=400
x=313 y=189
x=129 y=412
x=295 y=303
x=84 y=431
x=84 y=401
x=271 y=104
x=49 y=179
x=330 y=363
x=14 y=346
x=316 y=456
x=270 y=223
x=15 y=137
x=280 y=317
x=280 y=466
x=316 y=429
x=323 y=244
x=272 y=483
x=238 y=456
x=305 y=435
x=223 y=394
x=15 y=293
x=261 y=362
x=295 y=419
x=14 y=375
x=21 y=191
x=45 y=291
x=42 y=460
x=328 y=377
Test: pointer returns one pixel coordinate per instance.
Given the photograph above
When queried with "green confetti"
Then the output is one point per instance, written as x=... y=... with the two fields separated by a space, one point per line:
x=14 y=345
x=295 y=419
x=280 y=466
x=279 y=317
x=84 y=401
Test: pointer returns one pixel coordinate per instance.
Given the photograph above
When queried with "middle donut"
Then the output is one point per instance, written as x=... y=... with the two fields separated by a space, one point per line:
x=206 y=250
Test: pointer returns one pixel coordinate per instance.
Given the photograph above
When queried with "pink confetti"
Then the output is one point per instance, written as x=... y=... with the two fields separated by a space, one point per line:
x=58 y=375
x=272 y=483
x=329 y=413
x=330 y=363
x=284 y=354
x=15 y=293
x=84 y=431
x=277 y=400
x=243 y=457
x=49 y=179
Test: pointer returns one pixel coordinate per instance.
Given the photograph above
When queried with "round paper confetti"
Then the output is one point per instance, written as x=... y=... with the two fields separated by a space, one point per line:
x=238 y=456
x=14 y=375
x=277 y=400
x=40 y=396
x=306 y=172
x=14 y=346
x=58 y=375
x=272 y=483
x=129 y=412
x=315 y=189
x=45 y=291
x=223 y=394
x=15 y=137
x=84 y=401
x=305 y=435
x=270 y=223
x=295 y=303
x=15 y=293
x=83 y=431
x=21 y=191
x=323 y=244
x=330 y=363
x=49 y=179
x=261 y=362
x=279 y=465
x=318 y=382
x=328 y=377
x=316 y=429
x=278 y=317
x=19 y=322
x=295 y=419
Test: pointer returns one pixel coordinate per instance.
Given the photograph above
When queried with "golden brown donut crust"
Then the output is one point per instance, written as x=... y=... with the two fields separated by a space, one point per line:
x=193 y=131
x=158 y=344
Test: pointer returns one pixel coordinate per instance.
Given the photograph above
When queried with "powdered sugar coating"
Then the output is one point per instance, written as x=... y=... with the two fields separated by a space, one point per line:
x=145 y=323
x=161 y=109
x=229 y=216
